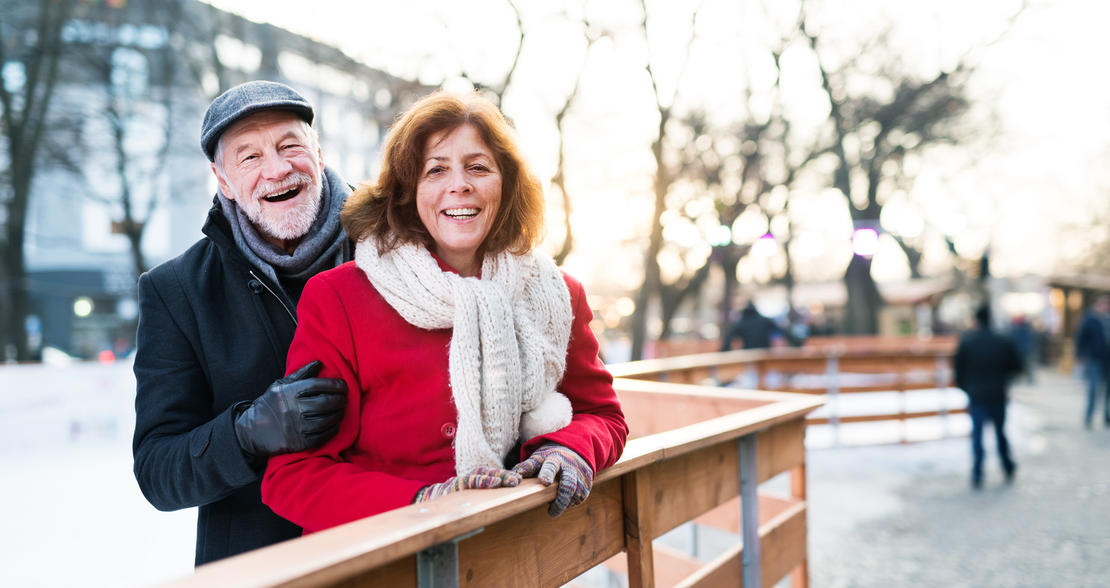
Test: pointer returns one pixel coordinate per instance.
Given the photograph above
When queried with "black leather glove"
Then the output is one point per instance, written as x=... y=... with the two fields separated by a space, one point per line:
x=297 y=412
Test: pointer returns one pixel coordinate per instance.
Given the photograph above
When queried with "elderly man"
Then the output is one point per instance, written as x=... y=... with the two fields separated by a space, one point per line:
x=215 y=324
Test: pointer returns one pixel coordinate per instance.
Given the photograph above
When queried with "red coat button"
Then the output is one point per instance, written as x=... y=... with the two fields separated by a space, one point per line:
x=447 y=430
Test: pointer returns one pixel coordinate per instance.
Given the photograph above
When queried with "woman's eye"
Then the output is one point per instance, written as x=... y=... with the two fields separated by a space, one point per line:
x=435 y=170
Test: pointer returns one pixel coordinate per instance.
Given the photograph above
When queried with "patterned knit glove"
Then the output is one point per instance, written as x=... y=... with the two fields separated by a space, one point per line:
x=478 y=478
x=576 y=477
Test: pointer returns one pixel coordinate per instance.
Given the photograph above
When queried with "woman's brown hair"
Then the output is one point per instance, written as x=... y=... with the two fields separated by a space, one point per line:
x=386 y=210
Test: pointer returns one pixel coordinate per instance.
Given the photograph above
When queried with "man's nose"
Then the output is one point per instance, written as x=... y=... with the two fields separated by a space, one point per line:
x=275 y=167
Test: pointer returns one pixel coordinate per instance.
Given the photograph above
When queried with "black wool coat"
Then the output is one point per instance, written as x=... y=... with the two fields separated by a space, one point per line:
x=212 y=333
x=984 y=365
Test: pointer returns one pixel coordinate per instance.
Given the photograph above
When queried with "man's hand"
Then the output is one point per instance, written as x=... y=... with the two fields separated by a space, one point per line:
x=297 y=412
x=479 y=478
x=576 y=477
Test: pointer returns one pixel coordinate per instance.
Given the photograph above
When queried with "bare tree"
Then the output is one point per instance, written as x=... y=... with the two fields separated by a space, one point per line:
x=496 y=91
x=717 y=173
x=873 y=128
x=558 y=179
x=664 y=176
x=870 y=136
x=30 y=59
x=137 y=109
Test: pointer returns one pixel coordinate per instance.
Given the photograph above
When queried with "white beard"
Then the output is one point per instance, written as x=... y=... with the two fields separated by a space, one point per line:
x=292 y=224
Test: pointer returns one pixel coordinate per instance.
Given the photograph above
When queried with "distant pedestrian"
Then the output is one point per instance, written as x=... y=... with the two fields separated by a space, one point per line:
x=754 y=330
x=1025 y=338
x=985 y=363
x=1092 y=349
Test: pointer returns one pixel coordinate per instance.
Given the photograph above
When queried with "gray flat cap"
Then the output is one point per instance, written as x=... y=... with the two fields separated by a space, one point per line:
x=246 y=99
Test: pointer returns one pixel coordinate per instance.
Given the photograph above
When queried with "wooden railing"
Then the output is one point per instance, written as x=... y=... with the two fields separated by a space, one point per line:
x=829 y=367
x=696 y=452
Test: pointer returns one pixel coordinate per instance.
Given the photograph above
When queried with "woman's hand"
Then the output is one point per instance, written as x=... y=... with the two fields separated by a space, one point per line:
x=576 y=477
x=478 y=478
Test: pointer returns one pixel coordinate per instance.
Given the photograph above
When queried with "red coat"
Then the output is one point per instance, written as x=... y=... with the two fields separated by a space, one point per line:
x=400 y=420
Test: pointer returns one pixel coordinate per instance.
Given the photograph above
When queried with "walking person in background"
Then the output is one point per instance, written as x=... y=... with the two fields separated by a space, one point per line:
x=754 y=330
x=215 y=324
x=1092 y=349
x=1025 y=338
x=985 y=363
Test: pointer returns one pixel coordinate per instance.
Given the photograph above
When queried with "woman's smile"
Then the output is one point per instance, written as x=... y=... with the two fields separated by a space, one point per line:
x=458 y=196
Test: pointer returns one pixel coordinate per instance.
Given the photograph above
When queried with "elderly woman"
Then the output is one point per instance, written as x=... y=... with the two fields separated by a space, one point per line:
x=464 y=350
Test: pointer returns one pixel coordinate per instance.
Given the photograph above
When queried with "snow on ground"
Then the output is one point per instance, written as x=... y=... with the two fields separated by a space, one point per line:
x=73 y=513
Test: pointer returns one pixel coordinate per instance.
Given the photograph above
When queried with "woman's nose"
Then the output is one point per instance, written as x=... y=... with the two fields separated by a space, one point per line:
x=460 y=183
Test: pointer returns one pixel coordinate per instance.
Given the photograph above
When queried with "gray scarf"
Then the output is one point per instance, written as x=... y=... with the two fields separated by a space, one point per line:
x=323 y=247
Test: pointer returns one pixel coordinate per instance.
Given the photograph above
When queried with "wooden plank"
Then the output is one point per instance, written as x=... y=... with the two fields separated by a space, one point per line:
x=798 y=481
x=344 y=552
x=691 y=485
x=648 y=412
x=671 y=565
x=638 y=490
x=781 y=448
x=726 y=517
x=808 y=365
x=784 y=544
x=533 y=549
x=844 y=389
x=869 y=418
x=783 y=547
x=399 y=574
x=729 y=372
x=789 y=359
x=652 y=448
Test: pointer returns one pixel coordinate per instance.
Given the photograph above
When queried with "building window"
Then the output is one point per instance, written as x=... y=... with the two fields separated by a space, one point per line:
x=130 y=74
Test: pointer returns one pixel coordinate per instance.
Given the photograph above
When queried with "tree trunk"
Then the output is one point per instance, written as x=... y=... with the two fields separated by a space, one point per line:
x=23 y=129
x=650 y=286
x=15 y=269
x=652 y=278
x=861 y=316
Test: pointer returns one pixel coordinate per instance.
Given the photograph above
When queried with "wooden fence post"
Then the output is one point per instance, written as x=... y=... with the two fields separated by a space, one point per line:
x=799 y=577
x=638 y=533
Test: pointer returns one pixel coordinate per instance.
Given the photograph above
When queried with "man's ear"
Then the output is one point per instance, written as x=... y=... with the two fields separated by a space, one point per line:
x=225 y=189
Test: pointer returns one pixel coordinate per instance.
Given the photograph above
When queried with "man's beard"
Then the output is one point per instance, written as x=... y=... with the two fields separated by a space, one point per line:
x=290 y=224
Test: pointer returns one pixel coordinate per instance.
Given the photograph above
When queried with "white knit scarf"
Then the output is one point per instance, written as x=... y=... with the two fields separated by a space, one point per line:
x=509 y=344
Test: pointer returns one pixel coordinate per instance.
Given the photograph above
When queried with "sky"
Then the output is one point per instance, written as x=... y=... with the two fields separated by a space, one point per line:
x=1029 y=195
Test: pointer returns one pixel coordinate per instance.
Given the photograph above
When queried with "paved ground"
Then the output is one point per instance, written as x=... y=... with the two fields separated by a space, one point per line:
x=906 y=515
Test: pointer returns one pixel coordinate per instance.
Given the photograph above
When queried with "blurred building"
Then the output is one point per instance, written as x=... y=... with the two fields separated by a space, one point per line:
x=123 y=134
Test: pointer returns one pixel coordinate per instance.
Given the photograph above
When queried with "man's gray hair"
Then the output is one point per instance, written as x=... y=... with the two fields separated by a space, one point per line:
x=218 y=156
